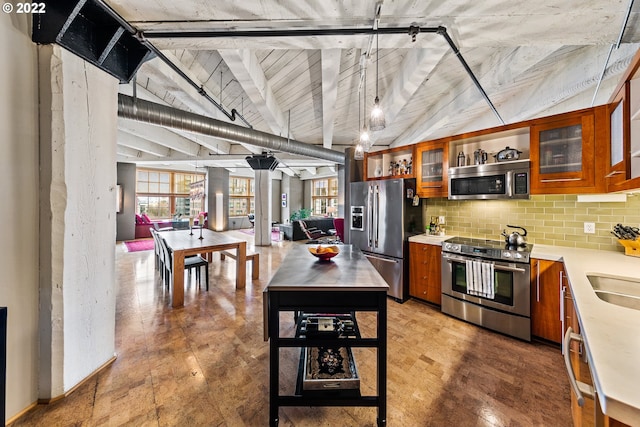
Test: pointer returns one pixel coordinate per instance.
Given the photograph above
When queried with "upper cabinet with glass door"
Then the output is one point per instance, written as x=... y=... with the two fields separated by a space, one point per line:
x=563 y=152
x=431 y=168
x=623 y=166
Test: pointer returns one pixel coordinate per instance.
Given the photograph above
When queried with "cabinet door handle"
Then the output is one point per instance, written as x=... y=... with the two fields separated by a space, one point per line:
x=431 y=186
x=538 y=281
x=609 y=175
x=561 y=180
x=579 y=388
x=563 y=290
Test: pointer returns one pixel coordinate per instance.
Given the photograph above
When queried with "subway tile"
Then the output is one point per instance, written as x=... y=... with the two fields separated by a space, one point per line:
x=532 y=210
x=552 y=211
x=599 y=211
x=539 y=215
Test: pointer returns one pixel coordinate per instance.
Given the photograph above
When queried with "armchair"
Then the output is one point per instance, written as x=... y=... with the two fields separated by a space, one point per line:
x=315 y=235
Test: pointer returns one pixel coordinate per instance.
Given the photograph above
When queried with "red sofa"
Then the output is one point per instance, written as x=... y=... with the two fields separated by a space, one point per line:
x=143 y=225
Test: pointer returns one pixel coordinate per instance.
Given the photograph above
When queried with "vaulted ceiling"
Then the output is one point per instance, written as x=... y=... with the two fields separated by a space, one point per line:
x=532 y=59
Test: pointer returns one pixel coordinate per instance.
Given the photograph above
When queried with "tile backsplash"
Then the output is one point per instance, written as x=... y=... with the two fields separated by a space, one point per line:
x=551 y=219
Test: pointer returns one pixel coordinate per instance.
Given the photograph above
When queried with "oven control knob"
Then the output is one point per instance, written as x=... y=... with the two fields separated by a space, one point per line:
x=452 y=247
x=506 y=254
x=517 y=255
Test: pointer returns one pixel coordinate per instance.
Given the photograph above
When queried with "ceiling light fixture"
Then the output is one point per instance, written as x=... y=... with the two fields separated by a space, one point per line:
x=358 y=154
x=377 y=121
x=365 y=141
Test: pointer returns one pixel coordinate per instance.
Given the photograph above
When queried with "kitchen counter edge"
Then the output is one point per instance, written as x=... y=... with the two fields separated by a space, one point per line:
x=429 y=239
x=609 y=331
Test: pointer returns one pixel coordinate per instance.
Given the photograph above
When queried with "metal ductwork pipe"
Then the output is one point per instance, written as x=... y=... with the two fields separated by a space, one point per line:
x=161 y=115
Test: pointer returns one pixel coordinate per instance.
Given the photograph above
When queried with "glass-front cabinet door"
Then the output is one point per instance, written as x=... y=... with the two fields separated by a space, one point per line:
x=431 y=171
x=618 y=164
x=563 y=154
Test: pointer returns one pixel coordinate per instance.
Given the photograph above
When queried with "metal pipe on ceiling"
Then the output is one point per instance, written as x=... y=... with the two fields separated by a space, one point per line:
x=454 y=48
x=200 y=88
x=302 y=32
x=161 y=115
x=412 y=30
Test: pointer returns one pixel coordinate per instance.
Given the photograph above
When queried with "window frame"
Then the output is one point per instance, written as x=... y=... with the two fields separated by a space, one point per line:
x=247 y=196
x=172 y=195
x=320 y=202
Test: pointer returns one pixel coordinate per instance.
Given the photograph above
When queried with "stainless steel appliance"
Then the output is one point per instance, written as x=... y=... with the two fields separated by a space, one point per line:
x=505 y=307
x=505 y=180
x=383 y=217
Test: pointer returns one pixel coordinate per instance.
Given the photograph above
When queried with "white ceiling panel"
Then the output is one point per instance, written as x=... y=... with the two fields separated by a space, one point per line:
x=531 y=58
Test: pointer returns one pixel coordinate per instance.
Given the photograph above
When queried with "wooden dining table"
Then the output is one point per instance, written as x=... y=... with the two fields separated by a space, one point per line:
x=182 y=243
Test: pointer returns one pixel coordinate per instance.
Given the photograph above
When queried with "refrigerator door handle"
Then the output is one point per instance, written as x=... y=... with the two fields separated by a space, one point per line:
x=377 y=218
x=369 y=217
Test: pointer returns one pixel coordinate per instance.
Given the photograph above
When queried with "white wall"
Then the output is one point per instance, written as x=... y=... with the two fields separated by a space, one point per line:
x=19 y=213
x=78 y=122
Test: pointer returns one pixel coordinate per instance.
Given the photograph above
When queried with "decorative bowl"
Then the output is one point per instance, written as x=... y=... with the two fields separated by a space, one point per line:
x=325 y=253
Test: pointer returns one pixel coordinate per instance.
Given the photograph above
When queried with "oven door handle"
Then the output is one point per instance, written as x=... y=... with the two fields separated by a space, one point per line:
x=516 y=269
x=495 y=266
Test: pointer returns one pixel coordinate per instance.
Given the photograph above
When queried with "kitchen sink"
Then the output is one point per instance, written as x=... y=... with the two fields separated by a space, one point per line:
x=621 y=291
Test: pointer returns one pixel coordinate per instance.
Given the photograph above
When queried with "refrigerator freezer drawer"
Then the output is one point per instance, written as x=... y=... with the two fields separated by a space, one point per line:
x=392 y=271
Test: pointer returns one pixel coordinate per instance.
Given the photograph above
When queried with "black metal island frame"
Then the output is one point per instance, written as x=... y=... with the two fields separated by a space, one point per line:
x=346 y=284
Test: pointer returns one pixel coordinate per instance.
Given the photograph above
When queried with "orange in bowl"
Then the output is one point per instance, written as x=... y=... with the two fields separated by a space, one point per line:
x=324 y=252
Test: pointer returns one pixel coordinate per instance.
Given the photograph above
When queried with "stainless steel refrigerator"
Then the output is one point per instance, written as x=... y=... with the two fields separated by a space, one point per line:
x=383 y=215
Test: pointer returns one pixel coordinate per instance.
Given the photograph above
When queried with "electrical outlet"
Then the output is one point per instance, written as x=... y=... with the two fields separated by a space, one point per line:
x=441 y=219
x=590 y=228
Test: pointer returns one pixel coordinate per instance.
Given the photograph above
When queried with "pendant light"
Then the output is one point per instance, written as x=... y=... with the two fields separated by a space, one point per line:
x=377 y=121
x=364 y=135
x=358 y=154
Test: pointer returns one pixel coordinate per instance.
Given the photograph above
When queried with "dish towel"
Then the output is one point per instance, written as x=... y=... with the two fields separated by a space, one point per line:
x=480 y=278
x=488 y=285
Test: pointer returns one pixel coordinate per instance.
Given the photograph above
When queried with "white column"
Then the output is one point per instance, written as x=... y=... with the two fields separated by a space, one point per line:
x=262 y=200
x=78 y=121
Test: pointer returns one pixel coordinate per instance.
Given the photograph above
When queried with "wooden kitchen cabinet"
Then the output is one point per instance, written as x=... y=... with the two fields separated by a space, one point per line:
x=431 y=166
x=425 y=272
x=563 y=152
x=546 y=290
x=623 y=154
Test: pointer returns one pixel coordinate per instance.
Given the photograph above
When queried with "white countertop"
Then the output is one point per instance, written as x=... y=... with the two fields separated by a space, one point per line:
x=611 y=333
x=429 y=239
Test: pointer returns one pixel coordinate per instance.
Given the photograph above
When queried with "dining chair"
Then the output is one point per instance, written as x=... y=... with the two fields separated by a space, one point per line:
x=191 y=262
x=156 y=248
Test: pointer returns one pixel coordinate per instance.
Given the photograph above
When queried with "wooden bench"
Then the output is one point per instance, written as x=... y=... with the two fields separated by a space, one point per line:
x=251 y=256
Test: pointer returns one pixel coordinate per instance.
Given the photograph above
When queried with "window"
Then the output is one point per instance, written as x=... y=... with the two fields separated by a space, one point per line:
x=163 y=194
x=324 y=195
x=241 y=201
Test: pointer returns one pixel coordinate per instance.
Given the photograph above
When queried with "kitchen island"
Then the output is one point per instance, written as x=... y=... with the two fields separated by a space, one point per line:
x=347 y=283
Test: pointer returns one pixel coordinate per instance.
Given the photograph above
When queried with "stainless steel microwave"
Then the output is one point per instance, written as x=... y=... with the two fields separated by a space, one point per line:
x=504 y=180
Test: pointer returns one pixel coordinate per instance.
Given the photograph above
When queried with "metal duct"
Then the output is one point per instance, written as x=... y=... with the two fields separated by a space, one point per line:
x=161 y=115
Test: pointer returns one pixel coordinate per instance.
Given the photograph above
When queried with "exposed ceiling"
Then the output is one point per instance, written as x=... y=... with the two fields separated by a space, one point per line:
x=532 y=59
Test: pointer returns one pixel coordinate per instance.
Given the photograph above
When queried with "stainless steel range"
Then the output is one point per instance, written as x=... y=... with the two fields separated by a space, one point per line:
x=487 y=282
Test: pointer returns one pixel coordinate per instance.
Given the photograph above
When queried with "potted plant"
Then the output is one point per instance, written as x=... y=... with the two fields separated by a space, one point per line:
x=300 y=214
